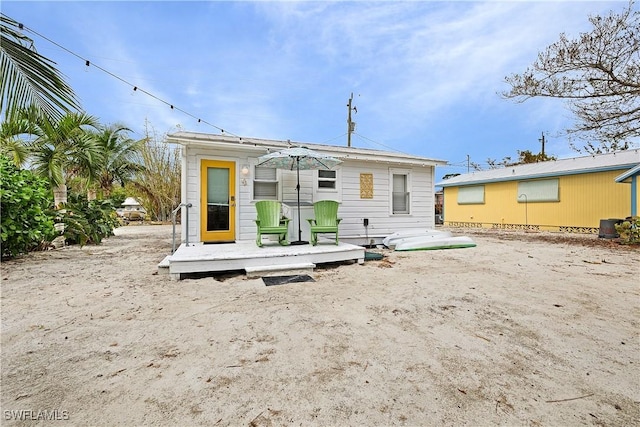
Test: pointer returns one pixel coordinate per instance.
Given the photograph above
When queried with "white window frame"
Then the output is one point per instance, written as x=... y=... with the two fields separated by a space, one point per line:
x=275 y=181
x=320 y=179
x=323 y=193
x=408 y=192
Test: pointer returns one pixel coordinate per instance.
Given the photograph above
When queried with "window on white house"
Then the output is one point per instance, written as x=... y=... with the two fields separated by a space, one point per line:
x=327 y=180
x=400 y=193
x=544 y=190
x=471 y=195
x=265 y=184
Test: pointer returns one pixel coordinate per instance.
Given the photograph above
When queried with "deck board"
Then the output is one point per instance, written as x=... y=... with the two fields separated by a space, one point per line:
x=204 y=258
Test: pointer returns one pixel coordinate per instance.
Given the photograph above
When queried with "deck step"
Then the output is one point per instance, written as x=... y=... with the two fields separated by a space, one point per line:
x=163 y=266
x=279 y=270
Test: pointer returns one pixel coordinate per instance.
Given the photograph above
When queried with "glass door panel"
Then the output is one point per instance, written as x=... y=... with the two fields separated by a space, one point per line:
x=217 y=199
x=217 y=212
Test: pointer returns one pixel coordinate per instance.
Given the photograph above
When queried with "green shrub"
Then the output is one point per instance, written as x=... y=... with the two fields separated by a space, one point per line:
x=629 y=231
x=27 y=218
x=86 y=221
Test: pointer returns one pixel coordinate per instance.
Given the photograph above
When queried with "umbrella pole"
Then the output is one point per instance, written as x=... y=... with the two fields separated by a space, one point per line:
x=299 y=241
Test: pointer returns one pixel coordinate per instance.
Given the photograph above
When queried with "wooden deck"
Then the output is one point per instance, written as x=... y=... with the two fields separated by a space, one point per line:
x=248 y=257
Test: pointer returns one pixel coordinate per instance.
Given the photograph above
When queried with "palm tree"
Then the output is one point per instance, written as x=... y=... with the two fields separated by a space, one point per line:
x=12 y=137
x=29 y=78
x=120 y=157
x=62 y=149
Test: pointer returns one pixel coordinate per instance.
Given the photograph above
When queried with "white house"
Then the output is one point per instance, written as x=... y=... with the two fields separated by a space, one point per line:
x=380 y=192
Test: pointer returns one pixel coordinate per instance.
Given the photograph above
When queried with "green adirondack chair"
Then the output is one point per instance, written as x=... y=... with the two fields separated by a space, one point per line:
x=270 y=222
x=326 y=219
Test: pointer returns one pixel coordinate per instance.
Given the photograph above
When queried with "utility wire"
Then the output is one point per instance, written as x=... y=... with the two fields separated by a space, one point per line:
x=135 y=87
x=462 y=164
x=379 y=143
x=333 y=139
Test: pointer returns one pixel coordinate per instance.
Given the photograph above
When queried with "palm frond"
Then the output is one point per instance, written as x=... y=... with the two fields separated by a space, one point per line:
x=28 y=78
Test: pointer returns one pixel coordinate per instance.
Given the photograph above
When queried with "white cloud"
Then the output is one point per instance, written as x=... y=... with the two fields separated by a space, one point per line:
x=286 y=69
x=415 y=59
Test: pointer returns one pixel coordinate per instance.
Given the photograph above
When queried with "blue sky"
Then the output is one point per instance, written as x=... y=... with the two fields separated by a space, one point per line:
x=425 y=76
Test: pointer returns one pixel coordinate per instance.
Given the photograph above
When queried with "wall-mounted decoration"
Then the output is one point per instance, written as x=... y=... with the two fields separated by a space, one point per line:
x=366 y=186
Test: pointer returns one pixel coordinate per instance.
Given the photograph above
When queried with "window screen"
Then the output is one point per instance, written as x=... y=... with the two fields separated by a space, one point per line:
x=265 y=184
x=326 y=179
x=546 y=190
x=471 y=195
x=400 y=195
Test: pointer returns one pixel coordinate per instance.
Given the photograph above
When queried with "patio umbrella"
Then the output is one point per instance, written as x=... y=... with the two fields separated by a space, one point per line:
x=298 y=158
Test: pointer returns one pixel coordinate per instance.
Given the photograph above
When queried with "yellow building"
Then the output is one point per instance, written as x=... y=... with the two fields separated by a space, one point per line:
x=571 y=195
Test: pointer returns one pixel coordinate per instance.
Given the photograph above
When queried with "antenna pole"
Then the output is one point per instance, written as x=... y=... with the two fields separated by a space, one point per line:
x=542 y=141
x=349 y=126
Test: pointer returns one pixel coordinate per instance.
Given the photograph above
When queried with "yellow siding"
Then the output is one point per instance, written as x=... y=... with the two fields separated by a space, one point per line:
x=584 y=200
x=628 y=190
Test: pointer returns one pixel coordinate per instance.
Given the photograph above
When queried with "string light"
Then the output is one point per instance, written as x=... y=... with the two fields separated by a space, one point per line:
x=135 y=88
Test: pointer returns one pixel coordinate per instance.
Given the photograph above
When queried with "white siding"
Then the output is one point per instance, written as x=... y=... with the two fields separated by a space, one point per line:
x=353 y=210
x=245 y=213
x=289 y=180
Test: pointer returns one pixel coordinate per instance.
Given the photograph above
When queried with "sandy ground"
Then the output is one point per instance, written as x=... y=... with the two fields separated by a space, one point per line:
x=522 y=330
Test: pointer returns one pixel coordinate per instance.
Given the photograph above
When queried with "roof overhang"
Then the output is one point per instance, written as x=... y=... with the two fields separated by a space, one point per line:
x=264 y=146
x=626 y=177
x=525 y=177
x=594 y=163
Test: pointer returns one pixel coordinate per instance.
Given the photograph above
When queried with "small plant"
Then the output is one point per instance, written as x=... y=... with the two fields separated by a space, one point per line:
x=87 y=222
x=629 y=231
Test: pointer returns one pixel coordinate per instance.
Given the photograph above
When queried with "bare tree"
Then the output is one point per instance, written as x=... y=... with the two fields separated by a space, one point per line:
x=524 y=157
x=157 y=182
x=598 y=74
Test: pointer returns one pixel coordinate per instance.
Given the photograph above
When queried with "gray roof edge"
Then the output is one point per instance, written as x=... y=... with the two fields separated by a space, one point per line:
x=532 y=176
x=571 y=166
x=189 y=138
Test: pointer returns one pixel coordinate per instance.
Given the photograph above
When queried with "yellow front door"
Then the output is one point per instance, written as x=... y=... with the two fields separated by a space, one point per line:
x=217 y=201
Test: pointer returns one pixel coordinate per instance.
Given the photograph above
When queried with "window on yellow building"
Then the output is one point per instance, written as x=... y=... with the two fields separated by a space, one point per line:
x=542 y=190
x=471 y=195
